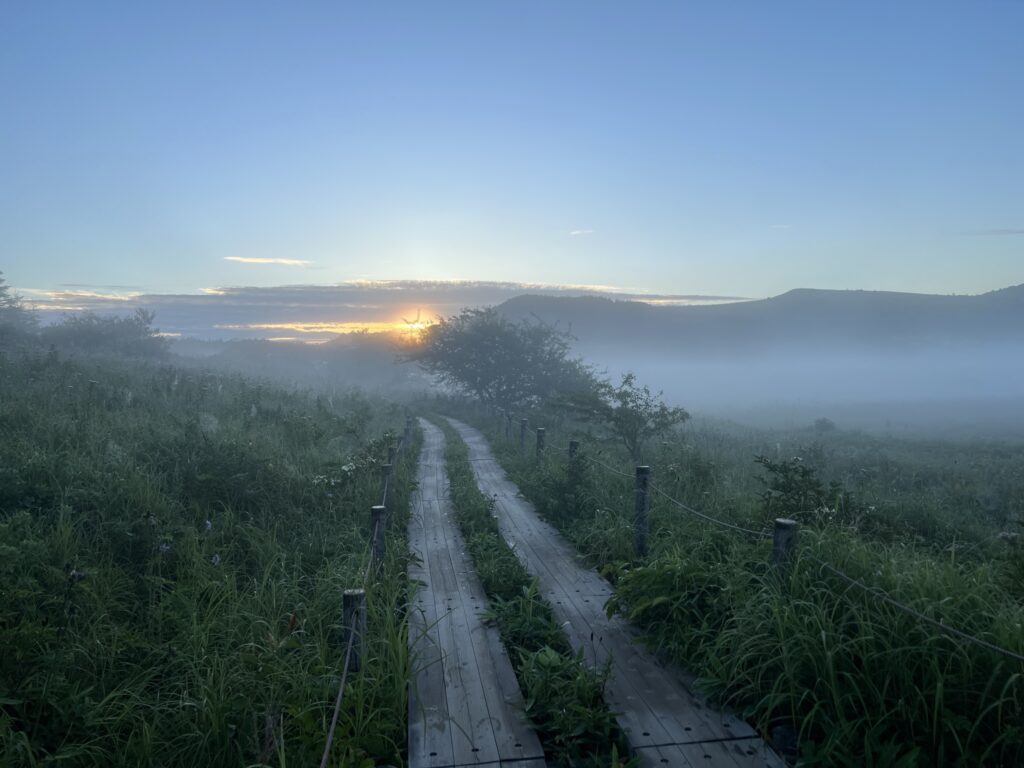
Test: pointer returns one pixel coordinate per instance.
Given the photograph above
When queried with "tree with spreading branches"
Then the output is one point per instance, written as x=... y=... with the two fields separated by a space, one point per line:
x=630 y=411
x=505 y=363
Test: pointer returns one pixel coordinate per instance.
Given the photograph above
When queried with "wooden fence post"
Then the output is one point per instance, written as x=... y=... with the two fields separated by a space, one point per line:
x=353 y=619
x=574 y=449
x=540 y=443
x=392 y=450
x=522 y=436
x=508 y=427
x=385 y=481
x=378 y=522
x=642 y=505
x=784 y=541
x=408 y=429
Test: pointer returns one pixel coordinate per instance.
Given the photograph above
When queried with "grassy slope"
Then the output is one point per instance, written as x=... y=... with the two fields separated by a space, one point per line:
x=173 y=546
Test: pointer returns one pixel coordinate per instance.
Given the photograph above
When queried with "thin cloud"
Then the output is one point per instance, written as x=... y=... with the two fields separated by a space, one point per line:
x=578 y=232
x=253 y=260
x=996 y=232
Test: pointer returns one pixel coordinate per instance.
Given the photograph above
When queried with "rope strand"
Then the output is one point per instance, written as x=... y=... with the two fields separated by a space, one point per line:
x=592 y=460
x=337 y=701
x=885 y=597
x=715 y=520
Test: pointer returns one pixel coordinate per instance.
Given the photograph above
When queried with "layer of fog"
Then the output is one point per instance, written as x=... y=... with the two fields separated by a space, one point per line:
x=940 y=390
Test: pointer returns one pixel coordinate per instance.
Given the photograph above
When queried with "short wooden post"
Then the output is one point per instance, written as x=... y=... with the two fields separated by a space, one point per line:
x=378 y=522
x=641 y=506
x=353 y=619
x=392 y=450
x=385 y=481
x=574 y=450
x=408 y=430
x=541 y=443
x=784 y=543
x=508 y=427
x=522 y=435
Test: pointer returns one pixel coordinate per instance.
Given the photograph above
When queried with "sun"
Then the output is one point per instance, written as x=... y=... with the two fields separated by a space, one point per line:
x=412 y=327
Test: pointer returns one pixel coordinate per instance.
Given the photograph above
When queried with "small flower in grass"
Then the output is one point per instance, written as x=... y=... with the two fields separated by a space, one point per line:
x=215 y=559
x=208 y=525
x=165 y=547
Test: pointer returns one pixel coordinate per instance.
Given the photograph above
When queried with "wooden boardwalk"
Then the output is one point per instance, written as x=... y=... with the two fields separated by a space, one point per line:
x=464 y=701
x=666 y=724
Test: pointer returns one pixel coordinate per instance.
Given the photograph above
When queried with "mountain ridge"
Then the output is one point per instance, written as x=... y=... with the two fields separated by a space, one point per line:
x=813 y=319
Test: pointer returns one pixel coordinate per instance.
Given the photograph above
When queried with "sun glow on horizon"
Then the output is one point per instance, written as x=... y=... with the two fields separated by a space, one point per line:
x=407 y=330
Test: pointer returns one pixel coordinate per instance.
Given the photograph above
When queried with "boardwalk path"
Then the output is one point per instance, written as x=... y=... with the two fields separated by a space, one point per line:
x=666 y=724
x=464 y=702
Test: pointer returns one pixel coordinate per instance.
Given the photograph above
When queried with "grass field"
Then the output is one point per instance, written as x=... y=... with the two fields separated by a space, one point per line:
x=173 y=549
x=826 y=669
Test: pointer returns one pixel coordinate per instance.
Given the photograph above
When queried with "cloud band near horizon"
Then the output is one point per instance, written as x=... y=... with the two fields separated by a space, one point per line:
x=314 y=312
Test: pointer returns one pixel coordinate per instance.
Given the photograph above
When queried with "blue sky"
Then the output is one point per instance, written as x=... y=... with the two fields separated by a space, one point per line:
x=734 y=148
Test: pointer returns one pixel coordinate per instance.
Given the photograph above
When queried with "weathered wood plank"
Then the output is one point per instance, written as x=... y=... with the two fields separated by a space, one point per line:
x=465 y=704
x=430 y=742
x=665 y=722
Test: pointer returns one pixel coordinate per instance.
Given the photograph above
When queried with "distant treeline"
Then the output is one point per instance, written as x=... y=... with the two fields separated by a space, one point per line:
x=133 y=335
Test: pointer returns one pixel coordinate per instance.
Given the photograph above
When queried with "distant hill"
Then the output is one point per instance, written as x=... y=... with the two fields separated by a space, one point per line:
x=801 y=320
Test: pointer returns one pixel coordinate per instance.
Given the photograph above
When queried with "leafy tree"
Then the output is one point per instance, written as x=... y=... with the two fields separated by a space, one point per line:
x=793 y=489
x=133 y=335
x=508 y=364
x=17 y=321
x=633 y=413
x=637 y=415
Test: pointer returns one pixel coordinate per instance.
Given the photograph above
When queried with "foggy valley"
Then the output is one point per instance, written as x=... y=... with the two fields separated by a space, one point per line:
x=535 y=384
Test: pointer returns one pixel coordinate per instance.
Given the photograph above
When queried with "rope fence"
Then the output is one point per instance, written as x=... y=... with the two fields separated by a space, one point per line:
x=784 y=536
x=354 y=600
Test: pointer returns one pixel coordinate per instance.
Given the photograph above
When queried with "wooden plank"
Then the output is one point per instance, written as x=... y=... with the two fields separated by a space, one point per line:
x=465 y=705
x=512 y=737
x=666 y=723
x=636 y=708
x=472 y=738
x=430 y=743
x=647 y=700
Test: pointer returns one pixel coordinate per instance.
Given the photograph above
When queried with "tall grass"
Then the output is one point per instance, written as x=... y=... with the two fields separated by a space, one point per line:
x=173 y=549
x=831 y=672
